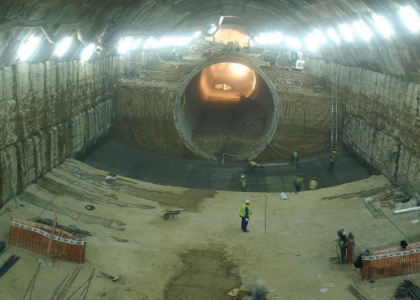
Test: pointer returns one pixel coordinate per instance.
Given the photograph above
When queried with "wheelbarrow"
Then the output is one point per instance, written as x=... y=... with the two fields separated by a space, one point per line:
x=174 y=213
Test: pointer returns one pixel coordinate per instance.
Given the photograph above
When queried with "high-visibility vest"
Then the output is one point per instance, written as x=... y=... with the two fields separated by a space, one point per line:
x=253 y=163
x=295 y=154
x=298 y=180
x=242 y=182
x=242 y=212
x=332 y=158
x=313 y=184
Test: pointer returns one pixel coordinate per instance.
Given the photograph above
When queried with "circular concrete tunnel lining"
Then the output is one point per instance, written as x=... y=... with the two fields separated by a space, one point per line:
x=227 y=105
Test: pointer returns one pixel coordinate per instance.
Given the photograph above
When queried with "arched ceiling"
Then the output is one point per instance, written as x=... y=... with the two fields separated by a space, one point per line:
x=99 y=20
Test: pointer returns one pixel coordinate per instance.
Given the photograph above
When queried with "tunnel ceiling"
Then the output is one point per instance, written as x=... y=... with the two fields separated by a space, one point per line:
x=100 y=21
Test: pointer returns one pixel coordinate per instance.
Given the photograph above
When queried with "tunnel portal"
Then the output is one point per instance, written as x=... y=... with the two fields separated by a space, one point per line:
x=227 y=107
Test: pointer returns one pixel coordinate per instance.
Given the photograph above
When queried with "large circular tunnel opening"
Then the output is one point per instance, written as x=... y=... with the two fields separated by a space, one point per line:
x=227 y=107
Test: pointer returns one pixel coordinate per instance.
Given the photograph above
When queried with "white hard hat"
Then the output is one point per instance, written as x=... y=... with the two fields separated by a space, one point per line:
x=242 y=176
x=247 y=201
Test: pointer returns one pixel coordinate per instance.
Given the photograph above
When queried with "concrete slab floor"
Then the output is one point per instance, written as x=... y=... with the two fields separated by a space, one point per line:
x=202 y=254
x=190 y=173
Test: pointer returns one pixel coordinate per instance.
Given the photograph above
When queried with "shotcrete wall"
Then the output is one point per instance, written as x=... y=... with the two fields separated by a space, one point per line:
x=381 y=118
x=50 y=111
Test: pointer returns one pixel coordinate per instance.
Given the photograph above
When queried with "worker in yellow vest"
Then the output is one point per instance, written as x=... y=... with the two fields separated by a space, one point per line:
x=313 y=184
x=245 y=212
x=242 y=183
x=333 y=159
x=298 y=182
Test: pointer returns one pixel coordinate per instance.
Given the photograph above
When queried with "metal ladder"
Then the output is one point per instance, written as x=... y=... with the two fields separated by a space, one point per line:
x=334 y=115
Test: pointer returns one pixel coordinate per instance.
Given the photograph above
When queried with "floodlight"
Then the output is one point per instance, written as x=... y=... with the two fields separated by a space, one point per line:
x=62 y=47
x=87 y=52
x=363 y=30
x=334 y=36
x=411 y=18
x=28 y=48
x=125 y=45
x=345 y=31
x=382 y=26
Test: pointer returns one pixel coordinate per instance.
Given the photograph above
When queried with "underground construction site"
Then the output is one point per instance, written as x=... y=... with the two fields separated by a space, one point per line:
x=136 y=138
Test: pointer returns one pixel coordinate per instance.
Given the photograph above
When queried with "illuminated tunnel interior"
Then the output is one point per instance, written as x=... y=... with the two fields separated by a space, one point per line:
x=227 y=107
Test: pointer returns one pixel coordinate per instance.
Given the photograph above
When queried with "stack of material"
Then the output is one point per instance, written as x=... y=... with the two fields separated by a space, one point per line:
x=407 y=289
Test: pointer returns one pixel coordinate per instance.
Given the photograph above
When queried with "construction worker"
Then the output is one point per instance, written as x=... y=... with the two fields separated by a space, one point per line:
x=313 y=183
x=298 y=182
x=333 y=159
x=253 y=165
x=295 y=157
x=245 y=212
x=242 y=183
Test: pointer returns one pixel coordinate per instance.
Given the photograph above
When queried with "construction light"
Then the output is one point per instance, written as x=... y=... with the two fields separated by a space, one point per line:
x=136 y=44
x=345 y=31
x=148 y=43
x=363 y=30
x=62 y=47
x=382 y=26
x=411 y=18
x=87 y=52
x=196 y=34
x=125 y=45
x=334 y=36
x=311 y=43
x=293 y=43
x=213 y=29
x=239 y=69
x=28 y=48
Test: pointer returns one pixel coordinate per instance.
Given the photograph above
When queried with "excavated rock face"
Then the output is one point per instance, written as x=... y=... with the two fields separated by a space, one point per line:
x=55 y=108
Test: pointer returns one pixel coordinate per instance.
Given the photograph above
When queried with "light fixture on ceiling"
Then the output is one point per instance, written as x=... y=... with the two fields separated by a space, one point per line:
x=196 y=34
x=363 y=30
x=345 y=31
x=411 y=18
x=334 y=36
x=87 y=52
x=382 y=26
x=28 y=48
x=293 y=43
x=63 y=46
x=125 y=45
x=136 y=43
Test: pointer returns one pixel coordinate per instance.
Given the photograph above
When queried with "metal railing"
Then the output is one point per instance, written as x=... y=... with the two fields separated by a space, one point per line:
x=149 y=74
x=284 y=84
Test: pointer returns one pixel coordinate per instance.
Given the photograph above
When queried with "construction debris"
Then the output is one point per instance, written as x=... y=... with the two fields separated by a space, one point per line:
x=72 y=229
x=407 y=290
x=8 y=264
x=113 y=278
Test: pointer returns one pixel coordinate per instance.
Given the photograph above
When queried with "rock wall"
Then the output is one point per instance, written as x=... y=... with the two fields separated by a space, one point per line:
x=381 y=118
x=50 y=111
x=144 y=117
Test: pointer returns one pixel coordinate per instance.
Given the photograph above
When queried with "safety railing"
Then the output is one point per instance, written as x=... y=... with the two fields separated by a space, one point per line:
x=285 y=84
x=149 y=74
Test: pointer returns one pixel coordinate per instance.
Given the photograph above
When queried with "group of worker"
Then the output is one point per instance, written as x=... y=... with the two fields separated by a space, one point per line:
x=313 y=184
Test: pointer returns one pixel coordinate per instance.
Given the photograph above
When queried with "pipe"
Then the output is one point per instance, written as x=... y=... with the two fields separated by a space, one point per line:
x=401 y=211
x=217 y=26
x=8 y=25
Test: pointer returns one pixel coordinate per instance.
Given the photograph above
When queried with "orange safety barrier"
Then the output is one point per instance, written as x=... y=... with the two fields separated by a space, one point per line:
x=392 y=262
x=36 y=237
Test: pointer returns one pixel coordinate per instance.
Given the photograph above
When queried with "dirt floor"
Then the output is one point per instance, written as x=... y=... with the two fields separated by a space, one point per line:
x=203 y=254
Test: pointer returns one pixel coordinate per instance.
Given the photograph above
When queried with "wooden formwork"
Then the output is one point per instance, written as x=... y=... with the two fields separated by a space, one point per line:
x=36 y=237
x=392 y=262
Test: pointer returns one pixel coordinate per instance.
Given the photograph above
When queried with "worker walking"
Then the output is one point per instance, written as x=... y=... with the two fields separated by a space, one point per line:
x=295 y=157
x=242 y=183
x=253 y=165
x=245 y=212
x=333 y=159
x=298 y=182
x=313 y=184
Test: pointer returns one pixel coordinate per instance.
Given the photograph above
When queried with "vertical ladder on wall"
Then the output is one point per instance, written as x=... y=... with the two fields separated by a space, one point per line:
x=334 y=115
